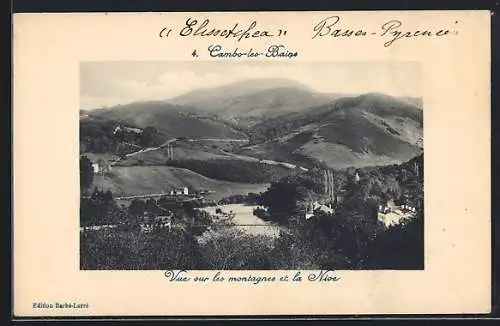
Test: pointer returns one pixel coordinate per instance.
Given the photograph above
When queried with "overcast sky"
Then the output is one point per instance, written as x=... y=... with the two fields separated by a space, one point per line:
x=110 y=83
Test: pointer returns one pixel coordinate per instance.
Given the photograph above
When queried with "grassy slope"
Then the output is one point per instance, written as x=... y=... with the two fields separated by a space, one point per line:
x=264 y=103
x=173 y=120
x=141 y=180
x=371 y=129
x=185 y=150
x=359 y=131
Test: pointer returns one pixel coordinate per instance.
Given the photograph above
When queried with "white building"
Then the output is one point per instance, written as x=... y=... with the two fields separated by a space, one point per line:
x=179 y=192
x=127 y=129
x=101 y=167
x=408 y=208
x=95 y=167
x=316 y=207
x=135 y=130
x=384 y=209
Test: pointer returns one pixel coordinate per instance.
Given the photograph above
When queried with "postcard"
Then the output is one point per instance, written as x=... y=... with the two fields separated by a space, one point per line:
x=251 y=163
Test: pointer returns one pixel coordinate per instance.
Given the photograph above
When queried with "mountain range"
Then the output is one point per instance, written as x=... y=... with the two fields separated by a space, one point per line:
x=283 y=120
x=250 y=101
x=369 y=129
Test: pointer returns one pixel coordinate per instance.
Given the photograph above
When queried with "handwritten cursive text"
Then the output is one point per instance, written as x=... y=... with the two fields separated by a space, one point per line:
x=391 y=30
x=195 y=28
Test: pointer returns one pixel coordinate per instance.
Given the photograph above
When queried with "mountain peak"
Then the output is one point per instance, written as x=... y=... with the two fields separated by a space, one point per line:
x=267 y=83
x=237 y=88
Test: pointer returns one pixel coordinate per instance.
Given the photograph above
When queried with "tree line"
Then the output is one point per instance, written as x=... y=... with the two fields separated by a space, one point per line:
x=99 y=136
x=233 y=170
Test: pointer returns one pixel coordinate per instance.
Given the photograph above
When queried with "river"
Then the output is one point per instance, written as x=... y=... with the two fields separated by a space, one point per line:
x=244 y=219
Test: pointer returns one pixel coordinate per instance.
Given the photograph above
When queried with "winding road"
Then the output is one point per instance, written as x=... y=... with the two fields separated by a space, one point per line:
x=155 y=195
x=168 y=142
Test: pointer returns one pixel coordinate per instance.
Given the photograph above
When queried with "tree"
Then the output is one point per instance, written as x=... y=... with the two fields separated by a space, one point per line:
x=400 y=247
x=100 y=208
x=281 y=200
x=147 y=137
x=231 y=248
x=137 y=207
x=86 y=173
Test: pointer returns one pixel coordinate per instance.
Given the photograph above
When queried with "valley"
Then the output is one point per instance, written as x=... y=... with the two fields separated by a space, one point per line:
x=149 y=180
x=265 y=127
x=267 y=149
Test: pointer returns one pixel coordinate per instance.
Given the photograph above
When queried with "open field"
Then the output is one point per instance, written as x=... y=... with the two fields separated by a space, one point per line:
x=142 y=180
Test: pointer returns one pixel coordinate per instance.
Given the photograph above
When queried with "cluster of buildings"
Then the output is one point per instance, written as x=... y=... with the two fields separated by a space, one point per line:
x=333 y=194
x=390 y=206
x=151 y=223
x=127 y=129
x=316 y=207
x=179 y=192
x=390 y=214
x=101 y=167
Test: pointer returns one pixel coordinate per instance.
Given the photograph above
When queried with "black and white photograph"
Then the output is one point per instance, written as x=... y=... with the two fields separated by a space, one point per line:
x=251 y=165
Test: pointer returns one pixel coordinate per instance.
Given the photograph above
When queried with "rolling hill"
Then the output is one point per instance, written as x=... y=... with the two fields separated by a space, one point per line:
x=235 y=89
x=145 y=180
x=169 y=119
x=249 y=102
x=183 y=150
x=210 y=162
x=370 y=129
x=284 y=120
x=415 y=101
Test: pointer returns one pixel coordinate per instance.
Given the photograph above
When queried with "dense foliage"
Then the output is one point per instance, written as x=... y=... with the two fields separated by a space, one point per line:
x=128 y=249
x=86 y=174
x=99 y=136
x=234 y=170
x=277 y=127
x=250 y=198
x=351 y=238
x=100 y=208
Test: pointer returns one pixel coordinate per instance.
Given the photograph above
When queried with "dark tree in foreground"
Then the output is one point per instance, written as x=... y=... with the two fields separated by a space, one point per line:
x=86 y=173
x=100 y=209
x=129 y=250
x=400 y=247
x=281 y=201
x=148 y=137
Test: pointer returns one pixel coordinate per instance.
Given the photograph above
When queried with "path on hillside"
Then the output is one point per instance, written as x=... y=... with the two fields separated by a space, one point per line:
x=171 y=141
x=221 y=140
x=156 y=195
x=168 y=142
x=144 y=150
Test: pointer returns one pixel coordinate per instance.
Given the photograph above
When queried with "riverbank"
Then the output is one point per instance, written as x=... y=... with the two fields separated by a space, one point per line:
x=243 y=219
